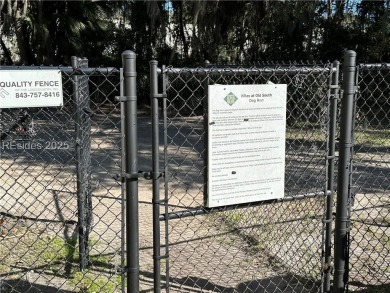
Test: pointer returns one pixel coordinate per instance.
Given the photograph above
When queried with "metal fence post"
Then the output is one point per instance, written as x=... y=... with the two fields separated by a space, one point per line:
x=86 y=147
x=333 y=98
x=83 y=159
x=344 y=173
x=205 y=105
x=123 y=189
x=131 y=166
x=155 y=176
x=166 y=178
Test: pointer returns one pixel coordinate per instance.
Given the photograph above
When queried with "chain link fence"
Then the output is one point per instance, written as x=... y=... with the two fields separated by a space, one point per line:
x=275 y=246
x=369 y=265
x=61 y=205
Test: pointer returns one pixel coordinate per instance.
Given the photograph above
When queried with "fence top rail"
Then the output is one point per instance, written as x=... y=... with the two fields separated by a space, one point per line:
x=246 y=71
x=68 y=69
x=277 y=69
x=368 y=66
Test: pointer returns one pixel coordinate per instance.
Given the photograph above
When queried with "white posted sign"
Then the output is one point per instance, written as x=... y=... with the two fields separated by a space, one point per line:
x=246 y=143
x=30 y=88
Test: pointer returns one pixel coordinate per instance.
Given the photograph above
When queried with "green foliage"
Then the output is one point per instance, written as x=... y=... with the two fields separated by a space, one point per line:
x=188 y=32
x=50 y=32
x=54 y=250
x=51 y=249
x=234 y=217
x=372 y=137
x=88 y=282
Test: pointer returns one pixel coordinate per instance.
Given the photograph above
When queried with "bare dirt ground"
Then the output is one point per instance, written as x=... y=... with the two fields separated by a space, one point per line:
x=271 y=248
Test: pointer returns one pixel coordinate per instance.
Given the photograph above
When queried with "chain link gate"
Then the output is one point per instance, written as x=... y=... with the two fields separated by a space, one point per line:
x=62 y=209
x=369 y=239
x=362 y=255
x=61 y=218
x=258 y=247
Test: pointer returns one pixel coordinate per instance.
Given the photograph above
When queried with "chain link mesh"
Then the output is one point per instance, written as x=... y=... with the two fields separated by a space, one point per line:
x=52 y=161
x=267 y=248
x=274 y=247
x=369 y=266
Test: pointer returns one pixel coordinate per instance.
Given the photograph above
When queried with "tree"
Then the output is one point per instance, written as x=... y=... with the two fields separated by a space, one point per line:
x=374 y=24
x=188 y=32
x=51 y=31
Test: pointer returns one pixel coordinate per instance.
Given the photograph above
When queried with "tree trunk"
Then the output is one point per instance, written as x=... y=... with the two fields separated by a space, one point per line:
x=7 y=53
x=182 y=30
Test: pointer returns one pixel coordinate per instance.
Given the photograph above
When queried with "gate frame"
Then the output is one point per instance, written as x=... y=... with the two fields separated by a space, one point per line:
x=328 y=192
x=130 y=173
x=342 y=220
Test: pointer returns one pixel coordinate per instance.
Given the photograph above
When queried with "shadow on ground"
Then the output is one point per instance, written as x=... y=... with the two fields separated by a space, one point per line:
x=285 y=283
x=27 y=287
x=364 y=288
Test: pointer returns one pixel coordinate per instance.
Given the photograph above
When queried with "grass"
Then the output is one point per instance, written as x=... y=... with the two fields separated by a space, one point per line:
x=53 y=254
x=51 y=249
x=234 y=217
x=266 y=227
x=88 y=282
x=377 y=137
x=373 y=137
x=54 y=249
x=306 y=134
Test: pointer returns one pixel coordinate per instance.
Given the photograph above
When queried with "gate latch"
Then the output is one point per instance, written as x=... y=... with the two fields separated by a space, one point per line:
x=126 y=98
x=159 y=96
x=139 y=174
x=153 y=175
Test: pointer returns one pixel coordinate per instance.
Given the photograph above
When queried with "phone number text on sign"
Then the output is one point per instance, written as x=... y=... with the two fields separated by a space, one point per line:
x=37 y=95
x=30 y=88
